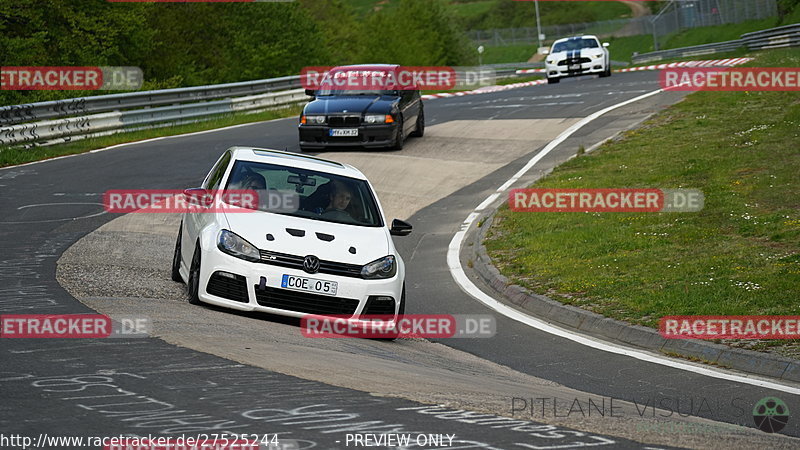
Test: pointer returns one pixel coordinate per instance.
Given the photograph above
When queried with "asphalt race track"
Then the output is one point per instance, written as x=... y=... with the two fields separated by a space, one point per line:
x=206 y=370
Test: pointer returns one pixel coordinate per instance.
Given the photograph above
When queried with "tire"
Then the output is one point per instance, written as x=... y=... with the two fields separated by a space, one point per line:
x=176 y=258
x=552 y=80
x=606 y=73
x=194 y=278
x=420 y=130
x=399 y=141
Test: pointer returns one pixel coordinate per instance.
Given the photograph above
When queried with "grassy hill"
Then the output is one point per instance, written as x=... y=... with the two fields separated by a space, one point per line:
x=486 y=14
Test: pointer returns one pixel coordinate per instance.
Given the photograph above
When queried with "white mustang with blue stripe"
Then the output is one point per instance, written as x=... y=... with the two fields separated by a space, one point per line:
x=578 y=55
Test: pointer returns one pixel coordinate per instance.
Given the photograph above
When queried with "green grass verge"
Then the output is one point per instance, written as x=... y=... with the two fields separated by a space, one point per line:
x=622 y=48
x=508 y=53
x=792 y=17
x=740 y=255
x=10 y=156
x=472 y=9
x=718 y=33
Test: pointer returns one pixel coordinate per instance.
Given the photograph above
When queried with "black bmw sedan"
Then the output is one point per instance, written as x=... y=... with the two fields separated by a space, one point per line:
x=369 y=114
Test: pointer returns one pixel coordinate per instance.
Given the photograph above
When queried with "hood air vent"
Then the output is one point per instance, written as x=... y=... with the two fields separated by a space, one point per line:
x=295 y=232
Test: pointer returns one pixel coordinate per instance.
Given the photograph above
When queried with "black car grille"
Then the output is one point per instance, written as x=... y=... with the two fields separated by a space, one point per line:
x=296 y=262
x=379 y=306
x=305 y=302
x=344 y=121
x=230 y=288
x=574 y=61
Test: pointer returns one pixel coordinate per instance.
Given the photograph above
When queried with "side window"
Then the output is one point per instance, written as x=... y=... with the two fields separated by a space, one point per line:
x=214 y=179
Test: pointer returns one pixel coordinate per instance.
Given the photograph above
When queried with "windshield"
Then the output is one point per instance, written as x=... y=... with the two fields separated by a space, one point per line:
x=359 y=82
x=575 y=44
x=306 y=193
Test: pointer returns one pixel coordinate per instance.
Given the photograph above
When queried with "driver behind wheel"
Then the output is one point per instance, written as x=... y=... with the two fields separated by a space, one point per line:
x=338 y=201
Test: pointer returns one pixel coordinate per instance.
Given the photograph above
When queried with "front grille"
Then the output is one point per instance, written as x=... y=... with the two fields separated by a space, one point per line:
x=296 y=262
x=574 y=61
x=230 y=288
x=305 y=302
x=379 y=306
x=344 y=121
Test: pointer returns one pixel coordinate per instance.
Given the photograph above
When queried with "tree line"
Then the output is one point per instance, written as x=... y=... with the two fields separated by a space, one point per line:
x=190 y=44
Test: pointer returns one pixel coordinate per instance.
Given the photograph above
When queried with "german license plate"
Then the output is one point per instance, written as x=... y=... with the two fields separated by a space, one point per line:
x=343 y=132
x=309 y=285
x=574 y=67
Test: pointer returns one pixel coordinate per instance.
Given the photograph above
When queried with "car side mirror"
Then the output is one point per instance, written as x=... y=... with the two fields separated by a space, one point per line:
x=544 y=51
x=400 y=228
x=311 y=93
x=199 y=196
x=605 y=44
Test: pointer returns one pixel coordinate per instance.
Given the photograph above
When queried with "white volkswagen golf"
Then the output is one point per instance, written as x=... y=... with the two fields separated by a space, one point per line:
x=578 y=55
x=315 y=242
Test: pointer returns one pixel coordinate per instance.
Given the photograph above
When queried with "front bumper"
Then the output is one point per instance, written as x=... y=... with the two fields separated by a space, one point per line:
x=352 y=294
x=592 y=67
x=370 y=136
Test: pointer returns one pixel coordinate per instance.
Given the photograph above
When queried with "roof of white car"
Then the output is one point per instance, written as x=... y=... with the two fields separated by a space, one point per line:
x=298 y=160
x=585 y=36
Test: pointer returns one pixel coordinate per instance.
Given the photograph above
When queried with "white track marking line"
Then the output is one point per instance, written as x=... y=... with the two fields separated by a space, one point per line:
x=457 y=271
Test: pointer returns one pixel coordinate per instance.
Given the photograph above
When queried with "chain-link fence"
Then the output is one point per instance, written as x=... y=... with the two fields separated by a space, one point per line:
x=677 y=15
x=683 y=14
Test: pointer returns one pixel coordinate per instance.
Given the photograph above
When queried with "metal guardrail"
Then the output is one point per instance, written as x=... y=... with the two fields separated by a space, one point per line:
x=66 y=128
x=785 y=36
x=65 y=120
x=10 y=115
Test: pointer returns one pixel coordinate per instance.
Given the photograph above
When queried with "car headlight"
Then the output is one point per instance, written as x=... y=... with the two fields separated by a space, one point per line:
x=375 y=118
x=314 y=120
x=551 y=61
x=380 y=268
x=234 y=245
x=597 y=56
